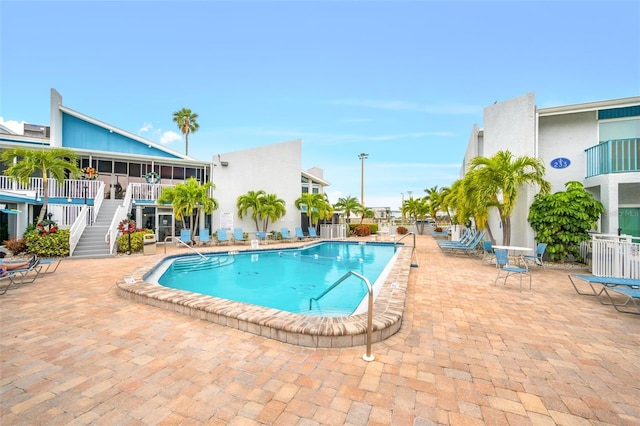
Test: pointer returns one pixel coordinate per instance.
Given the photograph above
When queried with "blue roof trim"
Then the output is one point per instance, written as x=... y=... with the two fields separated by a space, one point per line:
x=631 y=111
x=4 y=198
x=80 y=134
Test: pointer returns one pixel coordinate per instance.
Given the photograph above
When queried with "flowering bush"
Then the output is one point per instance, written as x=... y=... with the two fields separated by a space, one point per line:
x=90 y=173
x=127 y=226
x=47 y=226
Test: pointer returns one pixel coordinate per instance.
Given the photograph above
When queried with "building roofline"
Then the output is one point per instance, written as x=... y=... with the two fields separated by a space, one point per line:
x=315 y=178
x=122 y=132
x=589 y=106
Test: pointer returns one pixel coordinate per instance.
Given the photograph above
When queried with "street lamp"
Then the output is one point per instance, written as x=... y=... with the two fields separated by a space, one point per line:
x=362 y=157
x=402 y=207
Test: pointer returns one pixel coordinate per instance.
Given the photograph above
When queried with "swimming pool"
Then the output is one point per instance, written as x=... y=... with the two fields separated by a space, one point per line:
x=293 y=280
x=293 y=328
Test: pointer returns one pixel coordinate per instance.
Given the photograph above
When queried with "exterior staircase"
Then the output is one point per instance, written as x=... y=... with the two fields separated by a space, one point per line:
x=92 y=243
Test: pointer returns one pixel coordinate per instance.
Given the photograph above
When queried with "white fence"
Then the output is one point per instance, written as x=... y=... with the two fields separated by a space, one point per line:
x=616 y=256
x=333 y=232
x=70 y=188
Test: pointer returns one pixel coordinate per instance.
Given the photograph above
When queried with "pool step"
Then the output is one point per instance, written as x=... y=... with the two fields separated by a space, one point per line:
x=199 y=263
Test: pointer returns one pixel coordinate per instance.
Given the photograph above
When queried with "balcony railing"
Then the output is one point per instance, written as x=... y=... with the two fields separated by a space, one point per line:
x=613 y=156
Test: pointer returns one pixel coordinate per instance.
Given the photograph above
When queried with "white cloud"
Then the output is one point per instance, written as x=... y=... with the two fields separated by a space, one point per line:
x=13 y=125
x=145 y=128
x=170 y=137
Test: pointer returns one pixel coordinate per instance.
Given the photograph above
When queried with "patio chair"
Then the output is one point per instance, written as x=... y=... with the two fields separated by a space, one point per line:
x=537 y=258
x=488 y=254
x=465 y=239
x=312 y=233
x=238 y=236
x=50 y=265
x=299 y=234
x=222 y=237
x=502 y=262
x=185 y=236
x=285 y=234
x=464 y=248
x=205 y=237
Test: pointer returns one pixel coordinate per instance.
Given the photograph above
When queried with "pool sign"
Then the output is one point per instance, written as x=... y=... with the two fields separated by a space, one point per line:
x=560 y=163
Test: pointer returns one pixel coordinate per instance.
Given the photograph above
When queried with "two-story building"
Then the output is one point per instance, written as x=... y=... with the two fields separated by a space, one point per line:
x=596 y=143
x=124 y=174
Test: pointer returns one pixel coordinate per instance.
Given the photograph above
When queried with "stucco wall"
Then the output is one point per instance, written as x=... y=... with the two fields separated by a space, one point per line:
x=274 y=169
x=566 y=136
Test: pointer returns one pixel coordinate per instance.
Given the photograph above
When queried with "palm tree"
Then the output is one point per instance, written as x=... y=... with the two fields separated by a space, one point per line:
x=499 y=179
x=348 y=205
x=186 y=121
x=417 y=208
x=271 y=208
x=315 y=205
x=435 y=197
x=188 y=200
x=251 y=201
x=50 y=163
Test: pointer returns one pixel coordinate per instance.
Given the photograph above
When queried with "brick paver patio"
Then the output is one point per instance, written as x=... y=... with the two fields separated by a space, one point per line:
x=468 y=352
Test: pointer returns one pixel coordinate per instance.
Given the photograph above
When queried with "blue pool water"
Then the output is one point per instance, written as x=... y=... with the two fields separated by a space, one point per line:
x=283 y=279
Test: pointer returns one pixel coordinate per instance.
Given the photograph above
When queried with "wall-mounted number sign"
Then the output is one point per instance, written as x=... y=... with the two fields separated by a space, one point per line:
x=560 y=163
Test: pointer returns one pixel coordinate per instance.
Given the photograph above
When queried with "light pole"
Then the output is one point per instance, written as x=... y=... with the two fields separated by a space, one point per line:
x=402 y=207
x=362 y=157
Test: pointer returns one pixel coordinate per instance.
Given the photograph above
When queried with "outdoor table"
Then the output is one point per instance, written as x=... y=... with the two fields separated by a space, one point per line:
x=514 y=250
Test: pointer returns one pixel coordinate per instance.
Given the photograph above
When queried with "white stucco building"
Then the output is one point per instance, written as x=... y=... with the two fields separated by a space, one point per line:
x=596 y=143
x=275 y=169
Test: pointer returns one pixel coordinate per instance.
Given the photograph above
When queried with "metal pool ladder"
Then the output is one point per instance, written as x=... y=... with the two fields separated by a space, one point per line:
x=413 y=251
x=367 y=356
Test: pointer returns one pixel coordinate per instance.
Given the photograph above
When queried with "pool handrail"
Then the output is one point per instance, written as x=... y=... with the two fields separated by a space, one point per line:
x=171 y=237
x=367 y=356
x=413 y=252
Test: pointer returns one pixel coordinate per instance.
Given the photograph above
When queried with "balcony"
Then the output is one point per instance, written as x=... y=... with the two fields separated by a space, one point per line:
x=613 y=156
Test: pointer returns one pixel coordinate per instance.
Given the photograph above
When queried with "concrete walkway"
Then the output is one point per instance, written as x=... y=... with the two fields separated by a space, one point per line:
x=468 y=352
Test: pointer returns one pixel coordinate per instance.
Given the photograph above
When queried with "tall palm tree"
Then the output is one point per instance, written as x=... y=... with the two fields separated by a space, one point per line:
x=316 y=206
x=188 y=200
x=499 y=178
x=50 y=163
x=251 y=201
x=417 y=209
x=186 y=121
x=271 y=208
x=348 y=205
x=434 y=196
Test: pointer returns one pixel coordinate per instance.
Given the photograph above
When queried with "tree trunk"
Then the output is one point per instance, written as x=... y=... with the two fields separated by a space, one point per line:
x=45 y=197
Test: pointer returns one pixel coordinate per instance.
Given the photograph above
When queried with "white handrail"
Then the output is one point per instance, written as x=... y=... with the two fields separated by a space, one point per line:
x=121 y=213
x=77 y=229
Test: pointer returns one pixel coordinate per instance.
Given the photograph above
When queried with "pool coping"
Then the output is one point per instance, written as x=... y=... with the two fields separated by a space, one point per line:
x=296 y=329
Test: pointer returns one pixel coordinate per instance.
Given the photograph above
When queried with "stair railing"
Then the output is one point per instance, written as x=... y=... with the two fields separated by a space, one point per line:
x=97 y=201
x=77 y=229
x=121 y=213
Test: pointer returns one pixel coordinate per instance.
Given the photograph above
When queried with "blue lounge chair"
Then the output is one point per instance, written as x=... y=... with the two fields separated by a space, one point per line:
x=465 y=239
x=537 y=258
x=185 y=236
x=502 y=262
x=632 y=297
x=312 y=233
x=238 y=236
x=262 y=236
x=299 y=234
x=464 y=248
x=440 y=234
x=50 y=265
x=205 y=238
x=222 y=237
x=16 y=277
x=628 y=287
x=285 y=234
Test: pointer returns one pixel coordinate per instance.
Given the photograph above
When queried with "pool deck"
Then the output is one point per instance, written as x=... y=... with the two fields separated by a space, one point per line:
x=72 y=351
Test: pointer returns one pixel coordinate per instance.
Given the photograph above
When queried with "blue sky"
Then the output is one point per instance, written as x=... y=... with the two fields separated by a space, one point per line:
x=401 y=81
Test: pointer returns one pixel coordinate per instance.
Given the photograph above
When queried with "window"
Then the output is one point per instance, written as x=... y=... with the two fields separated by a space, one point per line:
x=105 y=166
x=166 y=172
x=135 y=169
x=120 y=167
x=178 y=172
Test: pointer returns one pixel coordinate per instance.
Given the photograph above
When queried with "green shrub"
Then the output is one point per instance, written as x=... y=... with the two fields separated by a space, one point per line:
x=137 y=241
x=16 y=245
x=54 y=244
